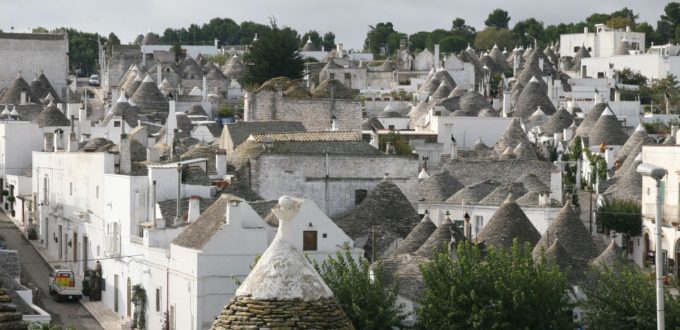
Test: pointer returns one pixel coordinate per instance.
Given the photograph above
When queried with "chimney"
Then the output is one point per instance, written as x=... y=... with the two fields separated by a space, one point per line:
x=340 y=50
x=159 y=74
x=585 y=29
x=152 y=155
x=221 y=163
x=217 y=43
x=609 y=157
x=617 y=95
x=674 y=131
x=567 y=134
x=436 y=57
x=557 y=137
x=152 y=207
x=507 y=103
x=48 y=142
x=58 y=139
x=125 y=156
x=540 y=63
x=454 y=148
x=82 y=114
x=194 y=209
x=467 y=229
x=22 y=98
x=374 y=140
x=72 y=142
x=205 y=88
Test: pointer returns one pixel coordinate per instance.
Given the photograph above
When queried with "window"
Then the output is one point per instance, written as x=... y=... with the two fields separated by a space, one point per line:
x=635 y=45
x=348 y=76
x=309 y=240
x=600 y=75
x=359 y=196
x=576 y=49
x=390 y=127
x=460 y=224
x=158 y=299
x=332 y=75
x=116 y=123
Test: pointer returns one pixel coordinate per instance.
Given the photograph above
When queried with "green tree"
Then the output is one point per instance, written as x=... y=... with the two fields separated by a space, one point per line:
x=39 y=29
x=274 y=54
x=460 y=29
x=111 y=41
x=328 y=41
x=504 y=38
x=504 y=290
x=498 y=19
x=435 y=37
x=378 y=39
x=622 y=297
x=648 y=30
x=83 y=51
x=361 y=292
x=630 y=77
x=623 y=216
x=177 y=50
x=452 y=44
x=313 y=36
x=529 y=29
x=418 y=41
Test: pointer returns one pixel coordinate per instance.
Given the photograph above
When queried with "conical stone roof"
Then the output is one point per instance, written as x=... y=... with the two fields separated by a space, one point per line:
x=576 y=61
x=638 y=135
x=590 y=119
x=442 y=238
x=525 y=151
x=41 y=88
x=438 y=187
x=628 y=186
x=574 y=268
x=557 y=122
x=286 y=284
x=573 y=235
x=196 y=110
x=132 y=87
x=531 y=97
x=442 y=91
x=149 y=97
x=309 y=46
x=13 y=93
x=417 y=237
x=234 y=68
x=443 y=75
x=607 y=130
x=507 y=224
x=500 y=195
x=386 y=208
x=512 y=136
x=610 y=256
x=532 y=183
x=52 y=117
x=473 y=193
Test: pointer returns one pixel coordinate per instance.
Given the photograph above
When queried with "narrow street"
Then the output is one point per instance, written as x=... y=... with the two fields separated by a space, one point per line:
x=34 y=272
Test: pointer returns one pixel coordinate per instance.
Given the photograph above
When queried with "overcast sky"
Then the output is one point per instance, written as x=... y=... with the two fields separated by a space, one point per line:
x=348 y=19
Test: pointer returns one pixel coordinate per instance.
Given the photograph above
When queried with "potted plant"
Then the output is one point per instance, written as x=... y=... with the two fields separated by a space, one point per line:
x=225 y=114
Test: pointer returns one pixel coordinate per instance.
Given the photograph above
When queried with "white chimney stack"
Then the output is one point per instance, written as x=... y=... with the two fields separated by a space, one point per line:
x=171 y=123
x=194 y=209
x=436 y=56
x=340 y=50
x=159 y=75
x=153 y=155
x=205 y=88
x=22 y=98
x=48 y=142
x=507 y=103
x=125 y=156
x=72 y=142
x=540 y=63
x=221 y=163
x=567 y=134
x=58 y=139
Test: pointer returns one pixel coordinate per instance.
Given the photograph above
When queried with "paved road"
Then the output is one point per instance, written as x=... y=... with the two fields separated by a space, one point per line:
x=34 y=271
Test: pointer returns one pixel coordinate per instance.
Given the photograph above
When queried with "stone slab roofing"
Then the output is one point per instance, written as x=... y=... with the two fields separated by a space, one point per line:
x=239 y=132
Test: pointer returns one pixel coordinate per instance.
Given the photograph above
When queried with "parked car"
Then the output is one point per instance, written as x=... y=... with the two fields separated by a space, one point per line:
x=94 y=80
x=65 y=285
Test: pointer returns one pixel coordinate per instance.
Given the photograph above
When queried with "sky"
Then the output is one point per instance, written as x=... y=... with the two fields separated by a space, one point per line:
x=348 y=19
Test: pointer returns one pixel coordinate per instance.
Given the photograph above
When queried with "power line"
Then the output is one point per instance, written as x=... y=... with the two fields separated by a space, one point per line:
x=79 y=260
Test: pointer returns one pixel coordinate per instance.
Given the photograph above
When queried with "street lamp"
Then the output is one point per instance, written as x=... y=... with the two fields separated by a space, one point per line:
x=657 y=173
x=467 y=231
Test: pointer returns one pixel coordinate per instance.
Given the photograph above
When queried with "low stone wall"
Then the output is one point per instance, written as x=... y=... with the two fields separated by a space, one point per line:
x=246 y=313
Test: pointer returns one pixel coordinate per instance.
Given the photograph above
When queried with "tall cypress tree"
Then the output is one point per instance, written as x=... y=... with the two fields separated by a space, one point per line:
x=273 y=54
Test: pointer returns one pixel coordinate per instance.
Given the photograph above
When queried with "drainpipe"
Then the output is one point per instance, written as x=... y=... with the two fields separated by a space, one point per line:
x=326 y=182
